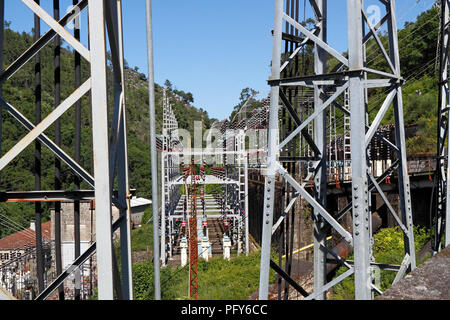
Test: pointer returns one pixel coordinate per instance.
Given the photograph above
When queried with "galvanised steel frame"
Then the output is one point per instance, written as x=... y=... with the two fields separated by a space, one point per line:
x=441 y=225
x=351 y=73
x=109 y=144
x=170 y=168
x=234 y=181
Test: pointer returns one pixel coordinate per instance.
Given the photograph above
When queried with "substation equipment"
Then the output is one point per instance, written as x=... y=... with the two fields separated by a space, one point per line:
x=219 y=172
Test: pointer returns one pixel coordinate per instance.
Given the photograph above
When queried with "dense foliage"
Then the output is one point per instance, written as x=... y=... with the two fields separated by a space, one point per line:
x=218 y=279
x=388 y=249
x=19 y=92
x=418 y=51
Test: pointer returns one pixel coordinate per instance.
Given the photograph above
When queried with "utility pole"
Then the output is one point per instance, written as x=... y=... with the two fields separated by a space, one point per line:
x=153 y=151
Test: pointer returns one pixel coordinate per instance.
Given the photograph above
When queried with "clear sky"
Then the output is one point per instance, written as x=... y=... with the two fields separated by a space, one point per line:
x=211 y=48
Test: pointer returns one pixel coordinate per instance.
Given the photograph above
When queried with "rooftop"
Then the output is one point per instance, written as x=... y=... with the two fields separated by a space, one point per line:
x=21 y=239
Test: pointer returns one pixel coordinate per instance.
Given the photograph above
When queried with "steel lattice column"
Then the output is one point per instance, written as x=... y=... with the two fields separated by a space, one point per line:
x=320 y=137
x=348 y=80
x=441 y=227
x=361 y=235
x=109 y=146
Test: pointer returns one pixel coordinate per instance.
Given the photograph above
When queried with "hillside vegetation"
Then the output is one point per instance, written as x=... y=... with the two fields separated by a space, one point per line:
x=19 y=92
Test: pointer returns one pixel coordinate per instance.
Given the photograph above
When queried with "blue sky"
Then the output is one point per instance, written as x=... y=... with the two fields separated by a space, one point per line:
x=213 y=49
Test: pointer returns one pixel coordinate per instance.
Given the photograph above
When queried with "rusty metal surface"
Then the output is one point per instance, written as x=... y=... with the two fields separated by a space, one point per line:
x=429 y=281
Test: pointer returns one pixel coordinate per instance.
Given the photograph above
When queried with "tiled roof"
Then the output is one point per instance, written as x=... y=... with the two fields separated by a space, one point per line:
x=22 y=238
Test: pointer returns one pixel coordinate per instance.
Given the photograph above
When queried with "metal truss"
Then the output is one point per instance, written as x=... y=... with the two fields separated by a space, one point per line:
x=170 y=168
x=228 y=164
x=441 y=227
x=109 y=143
x=331 y=82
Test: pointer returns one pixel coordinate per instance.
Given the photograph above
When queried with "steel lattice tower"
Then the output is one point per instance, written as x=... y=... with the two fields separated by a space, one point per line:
x=330 y=81
x=441 y=227
x=109 y=139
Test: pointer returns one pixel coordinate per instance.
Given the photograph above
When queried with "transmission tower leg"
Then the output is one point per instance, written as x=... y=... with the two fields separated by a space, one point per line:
x=57 y=101
x=100 y=148
x=441 y=223
x=37 y=159
x=269 y=189
x=77 y=180
x=320 y=137
x=361 y=235
x=119 y=148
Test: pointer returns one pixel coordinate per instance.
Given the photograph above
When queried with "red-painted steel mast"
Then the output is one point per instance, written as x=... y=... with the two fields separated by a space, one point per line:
x=193 y=246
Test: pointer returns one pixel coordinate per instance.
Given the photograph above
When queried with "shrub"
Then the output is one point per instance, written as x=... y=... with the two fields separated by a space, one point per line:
x=388 y=249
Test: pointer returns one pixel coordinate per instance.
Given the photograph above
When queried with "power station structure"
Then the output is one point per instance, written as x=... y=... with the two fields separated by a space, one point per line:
x=109 y=142
x=335 y=80
x=441 y=216
x=218 y=169
x=319 y=126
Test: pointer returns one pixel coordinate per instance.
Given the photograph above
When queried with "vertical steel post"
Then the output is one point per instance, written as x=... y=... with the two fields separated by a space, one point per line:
x=122 y=170
x=445 y=61
x=37 y=157
x=57 y=101
x=154 y=155
x=77 y=180
x=358 y=153
x=269 y=189
x=164 y=186
x=320 y=137
x=100 y=148
x=247 y=240
x=441 y=223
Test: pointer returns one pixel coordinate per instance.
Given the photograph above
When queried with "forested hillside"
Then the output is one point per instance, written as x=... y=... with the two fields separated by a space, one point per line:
x=19 y=92
x=418 y=52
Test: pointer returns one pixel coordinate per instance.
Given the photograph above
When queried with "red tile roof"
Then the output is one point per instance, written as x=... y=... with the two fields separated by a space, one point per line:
x=22 y=238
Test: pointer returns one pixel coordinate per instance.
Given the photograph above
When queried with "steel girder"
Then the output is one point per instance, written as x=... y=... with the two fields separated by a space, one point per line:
x=441 y=216
x=108 y=143
x=351 y=74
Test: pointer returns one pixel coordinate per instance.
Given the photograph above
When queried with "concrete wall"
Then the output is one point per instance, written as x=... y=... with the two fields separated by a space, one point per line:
x=87 y=228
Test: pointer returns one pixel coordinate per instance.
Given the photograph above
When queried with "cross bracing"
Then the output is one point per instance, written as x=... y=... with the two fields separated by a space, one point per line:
x=349 y=79
x=441 y=213
x=224 y=168
x=109 y=138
